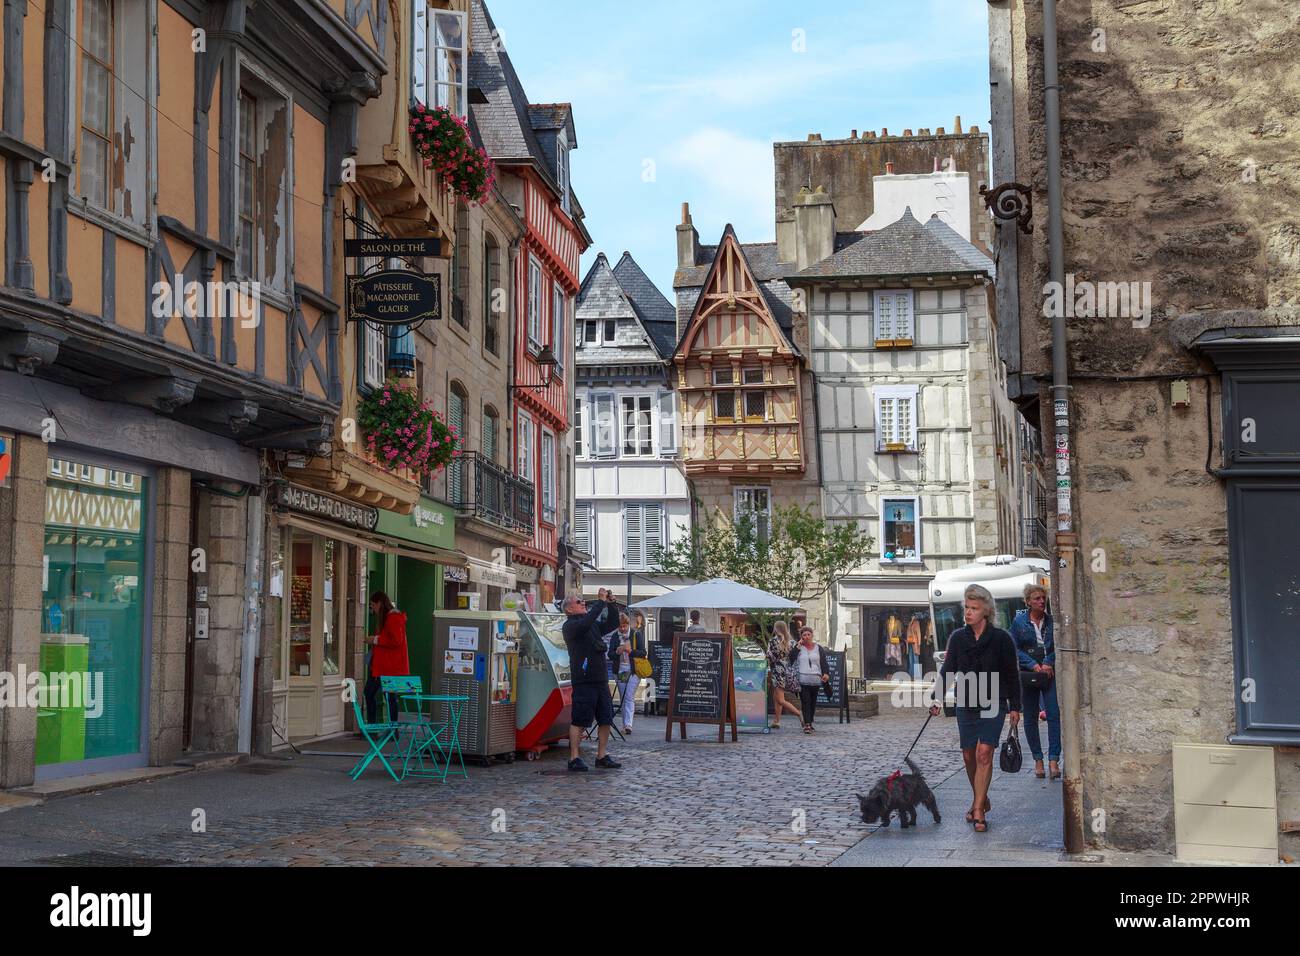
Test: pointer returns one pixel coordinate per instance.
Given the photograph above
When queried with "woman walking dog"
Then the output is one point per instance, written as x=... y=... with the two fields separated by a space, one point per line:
x=982 y=660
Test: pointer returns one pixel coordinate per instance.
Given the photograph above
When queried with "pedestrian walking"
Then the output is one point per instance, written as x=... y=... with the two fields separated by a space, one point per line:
x=808 y=658
x=388 y=657
x=626 y=645
x=583 y=637
x=1036 y=652
x=982 y=659
x=783 y=677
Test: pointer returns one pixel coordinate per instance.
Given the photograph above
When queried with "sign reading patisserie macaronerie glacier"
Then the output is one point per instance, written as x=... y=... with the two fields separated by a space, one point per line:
x=317 y=505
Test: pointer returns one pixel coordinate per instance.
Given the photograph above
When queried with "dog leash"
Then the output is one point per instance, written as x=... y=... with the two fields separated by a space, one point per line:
x=918 y=738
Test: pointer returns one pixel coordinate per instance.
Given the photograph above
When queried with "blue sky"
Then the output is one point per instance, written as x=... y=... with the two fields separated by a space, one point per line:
x=680 y=100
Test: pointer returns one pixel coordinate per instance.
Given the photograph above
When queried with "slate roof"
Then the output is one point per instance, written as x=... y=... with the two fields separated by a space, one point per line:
x=652 y=306
x=506 y=121
x=903 y=248
x=762 y=259
x=624 y=292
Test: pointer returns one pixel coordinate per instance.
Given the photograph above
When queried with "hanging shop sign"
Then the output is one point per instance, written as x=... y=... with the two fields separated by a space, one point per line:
x=387 y=247
x=316 y=505
x=394 y=297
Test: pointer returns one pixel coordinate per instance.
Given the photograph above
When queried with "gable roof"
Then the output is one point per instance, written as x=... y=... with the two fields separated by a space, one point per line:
x=506 y=120
x=624 y=292
x=777 y=296
x=652 y=306
x=904 y=248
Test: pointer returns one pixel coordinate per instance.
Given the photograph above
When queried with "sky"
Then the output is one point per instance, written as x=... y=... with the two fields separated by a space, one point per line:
x=681 y=100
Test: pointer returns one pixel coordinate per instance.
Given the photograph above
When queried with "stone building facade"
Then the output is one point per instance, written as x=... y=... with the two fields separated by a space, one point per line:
x=1179 y=181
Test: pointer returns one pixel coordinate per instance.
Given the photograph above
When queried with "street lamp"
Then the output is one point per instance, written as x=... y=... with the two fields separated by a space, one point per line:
x=547 y=361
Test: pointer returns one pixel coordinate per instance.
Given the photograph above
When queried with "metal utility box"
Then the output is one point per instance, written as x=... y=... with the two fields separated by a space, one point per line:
x=1225 y=803
x=476 y=655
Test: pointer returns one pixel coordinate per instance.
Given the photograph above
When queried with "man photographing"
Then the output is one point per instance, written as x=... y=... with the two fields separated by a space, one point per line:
x=591 y=699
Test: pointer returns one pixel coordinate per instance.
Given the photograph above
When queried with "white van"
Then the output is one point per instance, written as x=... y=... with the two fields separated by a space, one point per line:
x=1004 y=575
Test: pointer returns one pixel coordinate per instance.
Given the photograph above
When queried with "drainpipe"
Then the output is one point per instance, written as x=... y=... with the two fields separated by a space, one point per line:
x=1069 y=678
x=250 y=643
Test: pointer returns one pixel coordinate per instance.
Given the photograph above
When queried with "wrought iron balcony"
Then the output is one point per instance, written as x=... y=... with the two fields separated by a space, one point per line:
x=1034 y=531
x=479 y=487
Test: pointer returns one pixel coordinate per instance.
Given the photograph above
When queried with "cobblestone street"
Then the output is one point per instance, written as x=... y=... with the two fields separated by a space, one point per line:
x=693 y=802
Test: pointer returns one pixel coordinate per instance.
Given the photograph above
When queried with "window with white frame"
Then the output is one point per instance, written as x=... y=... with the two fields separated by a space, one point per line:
x=559 y=315
x=588 y=333
x=603 y=435
x=638 y=426
x=584 y=527
x=756 y=503
x=900 y=530
x=524 y=446
x=534 y=303
x=579 y=426
x=112 y=59
x=562 y=168
x=894 y=317
x=643 y=535
x=896 y=415
x=372 y=342
x=548 y=477
x=667 y=422
x=439 y=61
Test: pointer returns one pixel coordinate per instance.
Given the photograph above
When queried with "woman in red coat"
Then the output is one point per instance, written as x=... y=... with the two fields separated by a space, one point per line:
x=388 y=659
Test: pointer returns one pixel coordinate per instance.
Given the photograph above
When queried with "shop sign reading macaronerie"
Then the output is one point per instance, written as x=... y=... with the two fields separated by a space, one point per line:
x=316 y=505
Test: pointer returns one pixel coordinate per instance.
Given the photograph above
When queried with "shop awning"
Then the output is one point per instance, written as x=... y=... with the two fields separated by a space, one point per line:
x=374 y=542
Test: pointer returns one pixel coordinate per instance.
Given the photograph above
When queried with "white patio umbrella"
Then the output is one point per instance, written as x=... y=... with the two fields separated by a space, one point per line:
x=718 y=594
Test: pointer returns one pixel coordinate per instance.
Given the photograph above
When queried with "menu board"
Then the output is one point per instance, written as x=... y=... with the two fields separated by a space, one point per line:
x=661 y=662
x=839 y=700
x=701 y=689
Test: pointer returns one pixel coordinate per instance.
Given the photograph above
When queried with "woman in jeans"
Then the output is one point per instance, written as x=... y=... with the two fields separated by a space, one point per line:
x=626 y=645
x=1032 y=631
x=783 y=678
x=982 y=659
x=808 y=660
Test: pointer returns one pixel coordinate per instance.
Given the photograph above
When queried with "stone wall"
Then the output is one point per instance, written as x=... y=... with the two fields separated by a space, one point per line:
x=171 y=572
x=1179 y=144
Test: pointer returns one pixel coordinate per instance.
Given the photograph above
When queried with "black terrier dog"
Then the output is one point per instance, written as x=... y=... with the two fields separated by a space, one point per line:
x=900 y=792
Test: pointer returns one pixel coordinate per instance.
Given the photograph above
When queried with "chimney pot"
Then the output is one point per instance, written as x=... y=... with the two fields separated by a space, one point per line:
x=924 y=131
x=907 y=132
x=854 y=135
x=686 y=214
x=974 y=130
x=956 y=126
x=884 y=131
x=939 y=131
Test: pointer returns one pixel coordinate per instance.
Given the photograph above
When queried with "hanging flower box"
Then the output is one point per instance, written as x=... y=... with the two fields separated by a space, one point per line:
x=442 y=138
x=400 y=433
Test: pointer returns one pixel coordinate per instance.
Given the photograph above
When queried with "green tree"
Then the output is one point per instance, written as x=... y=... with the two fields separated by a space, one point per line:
x=798 y=556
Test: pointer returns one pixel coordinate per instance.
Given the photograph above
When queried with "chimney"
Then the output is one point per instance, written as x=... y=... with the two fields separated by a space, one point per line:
x=785 y=236
x=956 y=128
x=688 y=241
x=814 y=227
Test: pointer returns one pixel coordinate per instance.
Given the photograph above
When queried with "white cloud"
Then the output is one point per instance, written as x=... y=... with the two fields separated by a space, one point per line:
x=732 y=180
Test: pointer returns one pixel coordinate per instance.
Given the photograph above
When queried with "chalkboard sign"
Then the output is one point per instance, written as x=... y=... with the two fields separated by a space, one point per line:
x=661 y=662
x=839 y=698
x=701 y=689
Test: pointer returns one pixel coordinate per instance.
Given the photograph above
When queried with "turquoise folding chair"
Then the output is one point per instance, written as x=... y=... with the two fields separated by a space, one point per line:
x=379 y=736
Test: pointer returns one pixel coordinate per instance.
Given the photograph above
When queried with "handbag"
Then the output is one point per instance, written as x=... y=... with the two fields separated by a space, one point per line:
x=1010 y=758
x=1035 y=680
x=642 y=667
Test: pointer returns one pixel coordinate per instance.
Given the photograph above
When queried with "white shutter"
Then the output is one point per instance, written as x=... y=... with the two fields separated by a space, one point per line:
x=667 y=423
x=903 y=318
x=906 y=422
x=633 y=554
x=580 y=428
x=603 y=442
x=582 y=525
x=376 y=342
x=653 y=528
x=420 y=52
x=884 y=317
x=884 y=421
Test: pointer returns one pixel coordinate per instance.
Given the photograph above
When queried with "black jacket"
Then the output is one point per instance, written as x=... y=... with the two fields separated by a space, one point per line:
x=587 y=651
x=993 y=655
x=821 y=659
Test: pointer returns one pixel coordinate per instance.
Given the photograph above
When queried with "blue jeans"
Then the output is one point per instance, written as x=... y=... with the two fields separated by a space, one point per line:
x=1035 y=700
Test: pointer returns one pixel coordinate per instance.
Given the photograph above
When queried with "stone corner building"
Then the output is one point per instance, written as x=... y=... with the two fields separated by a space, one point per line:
x=1184 y=436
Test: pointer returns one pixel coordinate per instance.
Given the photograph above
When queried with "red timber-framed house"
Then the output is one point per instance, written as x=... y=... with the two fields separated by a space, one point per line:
x=530 y=144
